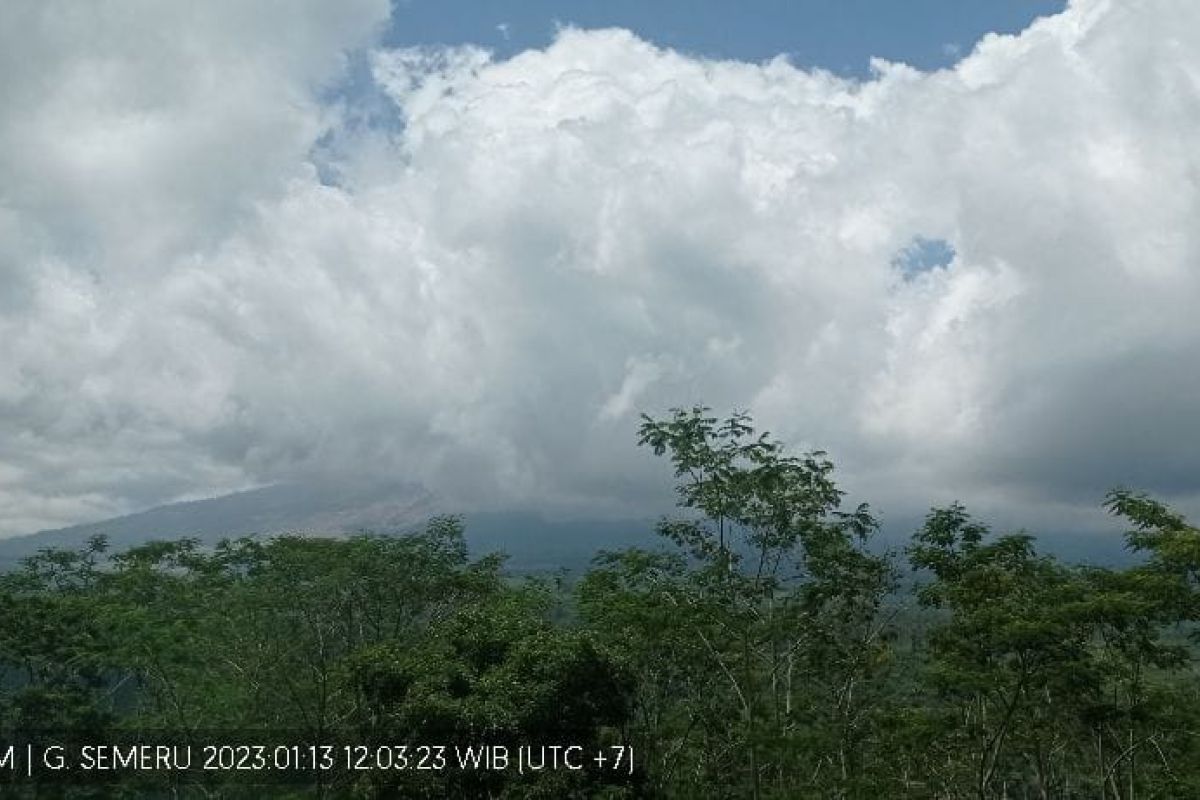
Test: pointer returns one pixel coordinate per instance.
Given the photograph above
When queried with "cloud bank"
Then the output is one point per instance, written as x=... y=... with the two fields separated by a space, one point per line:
x=224 y=263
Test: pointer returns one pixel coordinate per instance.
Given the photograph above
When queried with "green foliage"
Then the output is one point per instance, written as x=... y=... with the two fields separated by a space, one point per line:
x=1048 y=676
x=499 y=672
x=763 y=651
x=759 y=642
x=367 y=639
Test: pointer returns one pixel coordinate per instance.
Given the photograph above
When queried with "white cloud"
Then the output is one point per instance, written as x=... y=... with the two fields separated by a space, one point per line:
x=489 y=294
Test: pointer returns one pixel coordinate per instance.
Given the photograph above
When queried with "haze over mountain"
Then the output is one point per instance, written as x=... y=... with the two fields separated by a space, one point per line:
x=532 y=542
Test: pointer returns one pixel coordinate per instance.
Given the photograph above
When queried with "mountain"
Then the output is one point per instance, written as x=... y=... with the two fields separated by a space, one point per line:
x=532 y=542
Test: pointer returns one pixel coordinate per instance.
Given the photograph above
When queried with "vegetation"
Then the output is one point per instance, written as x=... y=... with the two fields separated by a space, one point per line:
x=766 y=651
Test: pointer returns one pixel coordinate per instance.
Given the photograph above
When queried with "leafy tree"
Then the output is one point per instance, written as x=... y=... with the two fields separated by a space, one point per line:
x=762 y=651
x=1014 y=656
x=774 y=605
x=495 y=672
x=53 y=655
x=1053 y=676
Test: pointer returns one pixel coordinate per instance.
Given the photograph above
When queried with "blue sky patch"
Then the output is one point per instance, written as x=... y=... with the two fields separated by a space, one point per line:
x=837 y=35
x=923 y=255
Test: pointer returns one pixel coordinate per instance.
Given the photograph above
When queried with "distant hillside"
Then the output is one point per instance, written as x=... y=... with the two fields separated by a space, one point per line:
x=532 y=542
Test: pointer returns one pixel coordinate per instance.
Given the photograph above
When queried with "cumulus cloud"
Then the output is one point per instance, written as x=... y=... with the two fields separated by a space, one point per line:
x=215 y=274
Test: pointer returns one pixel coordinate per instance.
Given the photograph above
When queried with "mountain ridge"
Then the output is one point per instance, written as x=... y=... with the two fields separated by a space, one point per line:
x=531 y=542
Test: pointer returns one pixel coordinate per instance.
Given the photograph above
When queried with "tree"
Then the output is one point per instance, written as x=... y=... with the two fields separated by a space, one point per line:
x=771 y=606
x=495 y=672
x=1047 y=677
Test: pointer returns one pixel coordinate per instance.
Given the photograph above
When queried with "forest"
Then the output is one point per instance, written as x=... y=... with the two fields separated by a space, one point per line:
x=767 y=649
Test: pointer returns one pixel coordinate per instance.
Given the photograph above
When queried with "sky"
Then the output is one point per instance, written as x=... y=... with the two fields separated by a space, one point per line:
x=840 y=36
x=466 y=245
